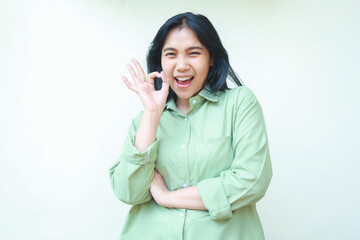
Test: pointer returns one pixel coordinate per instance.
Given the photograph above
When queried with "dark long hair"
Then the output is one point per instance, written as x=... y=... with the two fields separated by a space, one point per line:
x=208 y=37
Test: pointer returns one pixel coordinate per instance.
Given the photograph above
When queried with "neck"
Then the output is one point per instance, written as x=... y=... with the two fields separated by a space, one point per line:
x=183 y=105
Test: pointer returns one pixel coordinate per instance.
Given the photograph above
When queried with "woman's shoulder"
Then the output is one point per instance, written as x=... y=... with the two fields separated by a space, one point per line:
x=240 y=94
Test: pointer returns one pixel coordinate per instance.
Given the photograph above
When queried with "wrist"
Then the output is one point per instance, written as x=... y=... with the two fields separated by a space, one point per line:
x=153 y=116
x=167 y=199
x=146 y=133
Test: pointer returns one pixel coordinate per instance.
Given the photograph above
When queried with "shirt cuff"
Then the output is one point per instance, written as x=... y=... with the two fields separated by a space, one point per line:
x=214 y=197
x=134 y=156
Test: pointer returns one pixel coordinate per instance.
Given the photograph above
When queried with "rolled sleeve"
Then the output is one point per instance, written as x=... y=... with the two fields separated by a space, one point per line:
x=134 y=156
x=214 y=197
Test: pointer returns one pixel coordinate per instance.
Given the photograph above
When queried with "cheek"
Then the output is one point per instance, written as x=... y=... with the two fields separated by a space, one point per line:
x=162 y=65
x=205 y=70
x=166 y=72
x=167 y=68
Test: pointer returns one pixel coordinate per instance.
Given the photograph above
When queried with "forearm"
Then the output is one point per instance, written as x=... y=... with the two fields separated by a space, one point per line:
x=146 y=133
x=187 y=198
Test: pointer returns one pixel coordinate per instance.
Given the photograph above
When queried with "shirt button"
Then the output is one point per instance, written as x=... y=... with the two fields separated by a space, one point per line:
x=194 y=101
x=183 y=146
x=186 y=119
x=181 y=214
x=185 y=185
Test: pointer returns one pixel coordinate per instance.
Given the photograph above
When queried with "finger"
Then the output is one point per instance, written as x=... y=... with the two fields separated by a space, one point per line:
x=164 y=78
x=142 y=75
x=133 y=74
x=128 y=84
x=152 y=76
x=157 y=175
x=154 y=175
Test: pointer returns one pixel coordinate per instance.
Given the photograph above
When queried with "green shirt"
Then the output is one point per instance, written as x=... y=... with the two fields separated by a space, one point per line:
x=221 y=146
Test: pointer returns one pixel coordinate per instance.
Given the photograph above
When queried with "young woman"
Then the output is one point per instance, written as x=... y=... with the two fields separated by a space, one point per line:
x=196 y=160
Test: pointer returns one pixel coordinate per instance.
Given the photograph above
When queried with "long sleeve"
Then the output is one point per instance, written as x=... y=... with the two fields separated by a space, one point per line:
x=132 y=174
x=247 y=180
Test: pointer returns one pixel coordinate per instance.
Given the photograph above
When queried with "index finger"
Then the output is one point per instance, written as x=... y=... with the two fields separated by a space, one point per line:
x=152 y=76
x=141 y=72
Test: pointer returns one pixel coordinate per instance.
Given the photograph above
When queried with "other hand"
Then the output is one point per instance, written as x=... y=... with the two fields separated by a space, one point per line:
x=158 y=189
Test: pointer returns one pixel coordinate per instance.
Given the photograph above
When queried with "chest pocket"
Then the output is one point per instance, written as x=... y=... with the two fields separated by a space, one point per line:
x=209 y=157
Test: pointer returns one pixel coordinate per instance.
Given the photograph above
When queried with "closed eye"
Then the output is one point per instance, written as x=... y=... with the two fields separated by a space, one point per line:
x=194 y=53
x=170 y=54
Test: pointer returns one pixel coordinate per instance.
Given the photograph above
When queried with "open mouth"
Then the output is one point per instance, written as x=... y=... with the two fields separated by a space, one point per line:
x=183 y=82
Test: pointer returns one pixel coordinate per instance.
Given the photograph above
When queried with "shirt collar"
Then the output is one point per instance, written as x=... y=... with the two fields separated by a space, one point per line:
x=208 y=95
x=204 y=93
x=170 y=104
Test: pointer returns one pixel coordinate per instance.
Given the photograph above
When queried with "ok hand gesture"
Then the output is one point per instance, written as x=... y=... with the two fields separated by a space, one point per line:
x=153 y=101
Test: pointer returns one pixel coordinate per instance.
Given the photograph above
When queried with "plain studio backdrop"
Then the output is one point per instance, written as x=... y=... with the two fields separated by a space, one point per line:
x=64 y=111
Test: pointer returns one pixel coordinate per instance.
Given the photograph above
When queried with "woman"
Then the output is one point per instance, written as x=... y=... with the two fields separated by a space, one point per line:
x=196 y=160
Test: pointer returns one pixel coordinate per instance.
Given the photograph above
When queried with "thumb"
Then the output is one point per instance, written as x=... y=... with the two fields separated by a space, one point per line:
x=165 y=82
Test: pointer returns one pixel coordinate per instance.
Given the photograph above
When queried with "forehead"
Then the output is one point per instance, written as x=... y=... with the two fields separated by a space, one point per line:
x=181 y=38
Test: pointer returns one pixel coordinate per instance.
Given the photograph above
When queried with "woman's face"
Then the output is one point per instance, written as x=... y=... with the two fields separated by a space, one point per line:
x=185 y=62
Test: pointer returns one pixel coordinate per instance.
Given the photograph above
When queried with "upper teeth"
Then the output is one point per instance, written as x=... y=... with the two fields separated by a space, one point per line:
x=183 y=78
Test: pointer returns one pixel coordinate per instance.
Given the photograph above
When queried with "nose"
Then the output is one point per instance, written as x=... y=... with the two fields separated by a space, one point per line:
x=182 y=64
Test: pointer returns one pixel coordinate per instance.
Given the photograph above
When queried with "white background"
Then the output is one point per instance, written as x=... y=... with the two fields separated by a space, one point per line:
x=64 y=111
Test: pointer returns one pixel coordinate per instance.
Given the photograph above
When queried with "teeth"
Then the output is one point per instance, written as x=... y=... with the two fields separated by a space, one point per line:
x=183 y=78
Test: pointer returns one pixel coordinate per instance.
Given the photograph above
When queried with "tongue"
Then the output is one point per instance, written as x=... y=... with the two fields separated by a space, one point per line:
x=186 y=82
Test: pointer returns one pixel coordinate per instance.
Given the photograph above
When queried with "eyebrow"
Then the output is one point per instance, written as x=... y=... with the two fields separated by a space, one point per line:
x=190 y=48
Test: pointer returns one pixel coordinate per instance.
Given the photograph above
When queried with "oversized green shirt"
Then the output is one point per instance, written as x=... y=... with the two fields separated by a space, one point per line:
x=221 y=146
